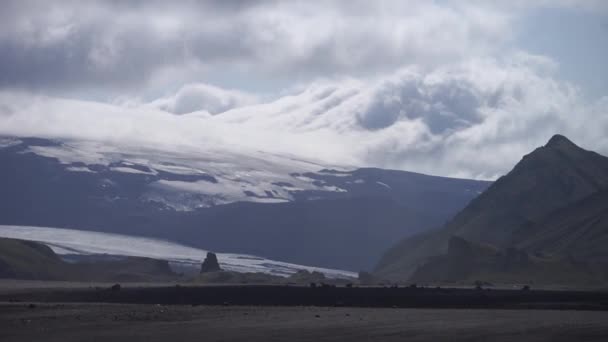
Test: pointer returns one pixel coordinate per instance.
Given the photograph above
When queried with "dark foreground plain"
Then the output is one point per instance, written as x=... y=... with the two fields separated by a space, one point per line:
x=145 y=322
x=323 y=295
x=64 y=311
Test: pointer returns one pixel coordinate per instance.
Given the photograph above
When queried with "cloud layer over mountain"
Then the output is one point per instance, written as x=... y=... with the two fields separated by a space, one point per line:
x=472 y=119
x=435 y=87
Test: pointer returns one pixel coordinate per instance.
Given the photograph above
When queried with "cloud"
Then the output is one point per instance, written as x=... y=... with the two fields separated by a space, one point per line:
x=475 y=118
x=203 y=97
x=587 y=5
x=114 y=45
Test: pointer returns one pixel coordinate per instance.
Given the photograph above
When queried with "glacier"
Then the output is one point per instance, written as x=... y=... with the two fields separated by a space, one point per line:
x=66 y=242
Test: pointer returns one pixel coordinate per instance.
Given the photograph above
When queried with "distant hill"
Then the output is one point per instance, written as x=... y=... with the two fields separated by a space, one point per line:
x=29 y=260
x=20 y=259
x=552 y=202
x=273 y=206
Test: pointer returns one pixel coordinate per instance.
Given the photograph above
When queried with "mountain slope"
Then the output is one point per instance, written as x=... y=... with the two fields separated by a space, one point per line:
x=551 y=177
x=578 y=231
x=272 y=206
x=468 y=262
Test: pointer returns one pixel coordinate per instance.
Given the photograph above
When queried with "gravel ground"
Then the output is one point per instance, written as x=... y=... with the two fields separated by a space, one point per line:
x=125 y=322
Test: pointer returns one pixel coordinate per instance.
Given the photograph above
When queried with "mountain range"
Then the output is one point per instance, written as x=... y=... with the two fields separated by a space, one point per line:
x=274 y=206
x=544 y=222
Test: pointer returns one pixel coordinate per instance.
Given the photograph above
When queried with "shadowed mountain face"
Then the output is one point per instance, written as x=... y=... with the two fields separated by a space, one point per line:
x=468 y=262
x=553 y=201
x=270 y=206
x=578 y=231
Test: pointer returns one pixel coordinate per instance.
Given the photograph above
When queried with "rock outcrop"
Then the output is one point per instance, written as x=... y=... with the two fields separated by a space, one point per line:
x=210 y=264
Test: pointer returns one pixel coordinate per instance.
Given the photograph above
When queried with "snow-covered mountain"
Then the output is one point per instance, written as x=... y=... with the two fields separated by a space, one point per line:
x=224 y=199
x=187 y=180
x=69 y=242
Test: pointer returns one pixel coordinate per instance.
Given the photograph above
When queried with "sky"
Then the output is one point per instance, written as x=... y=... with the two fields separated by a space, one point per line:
x=453 y=88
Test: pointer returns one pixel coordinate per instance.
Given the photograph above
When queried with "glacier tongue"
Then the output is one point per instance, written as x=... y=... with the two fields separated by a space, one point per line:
x=70 y=241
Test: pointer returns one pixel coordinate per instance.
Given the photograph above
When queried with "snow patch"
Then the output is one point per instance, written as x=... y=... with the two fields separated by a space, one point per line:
x=79 y=169
x=8 y=142
x=384 y=185
x=124 y=169
x=69 y=155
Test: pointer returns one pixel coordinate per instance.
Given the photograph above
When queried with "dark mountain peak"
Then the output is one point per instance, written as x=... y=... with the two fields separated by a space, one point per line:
x=560 y=141
x=552 y=153
x=560 y=153
x=549 y=179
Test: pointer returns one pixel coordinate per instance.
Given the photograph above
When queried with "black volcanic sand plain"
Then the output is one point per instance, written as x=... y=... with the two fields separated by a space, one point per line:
x=329 y=296
x=137 y=322
x=70 y=311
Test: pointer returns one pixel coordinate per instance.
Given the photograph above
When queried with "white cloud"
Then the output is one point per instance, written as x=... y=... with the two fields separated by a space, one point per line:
x=468 y=119
x=111 y=44
x=586 y=5
x=203 y=97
